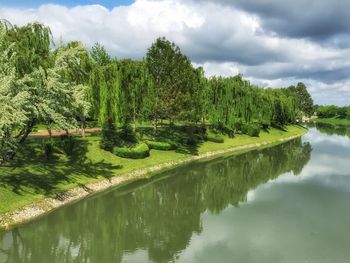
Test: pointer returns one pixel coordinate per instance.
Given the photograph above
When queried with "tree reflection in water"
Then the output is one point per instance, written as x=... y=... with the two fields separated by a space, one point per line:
x=158 y=215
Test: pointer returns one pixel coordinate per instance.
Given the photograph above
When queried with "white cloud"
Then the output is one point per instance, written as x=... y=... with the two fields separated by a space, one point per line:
x=223 y=39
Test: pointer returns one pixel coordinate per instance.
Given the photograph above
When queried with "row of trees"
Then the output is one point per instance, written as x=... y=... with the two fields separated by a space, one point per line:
x=61 y=87
x=333 y=111
x=166 y=86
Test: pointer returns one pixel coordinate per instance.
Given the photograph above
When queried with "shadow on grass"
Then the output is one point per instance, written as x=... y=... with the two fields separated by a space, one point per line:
x=31 y=172
x=279 y=127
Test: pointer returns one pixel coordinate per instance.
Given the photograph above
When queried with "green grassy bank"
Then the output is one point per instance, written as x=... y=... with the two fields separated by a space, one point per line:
x=334 y=121
x=31 y=177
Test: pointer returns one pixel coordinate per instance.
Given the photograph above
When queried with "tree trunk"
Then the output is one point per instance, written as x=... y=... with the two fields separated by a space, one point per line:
x=82 y=126
x=154 y=128
x=21 y=139
x=203 y=121
x=134 y=123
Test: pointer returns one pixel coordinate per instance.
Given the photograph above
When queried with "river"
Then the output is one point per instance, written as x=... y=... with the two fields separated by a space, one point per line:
x=288 y=203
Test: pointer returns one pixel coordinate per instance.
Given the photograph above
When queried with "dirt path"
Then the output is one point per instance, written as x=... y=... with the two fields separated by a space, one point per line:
x=45 y=133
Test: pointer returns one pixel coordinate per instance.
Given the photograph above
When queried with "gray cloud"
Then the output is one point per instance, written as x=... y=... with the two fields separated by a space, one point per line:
x=276 y=43
x=324 y=21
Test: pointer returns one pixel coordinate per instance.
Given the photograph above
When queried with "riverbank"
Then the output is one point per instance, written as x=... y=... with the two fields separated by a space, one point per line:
x=30 y=188
x=334 y=121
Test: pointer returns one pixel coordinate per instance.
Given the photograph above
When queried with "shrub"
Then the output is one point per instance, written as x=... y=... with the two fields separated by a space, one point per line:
x=253 y=130
x=108 y=135
x=139 y=152
x=163 y=146
x=127 y=134
x=193 y=140
x=215 y=138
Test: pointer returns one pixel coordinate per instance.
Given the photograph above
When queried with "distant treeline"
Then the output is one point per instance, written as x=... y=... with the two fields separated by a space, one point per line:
x=333 y=111
x=61 y=86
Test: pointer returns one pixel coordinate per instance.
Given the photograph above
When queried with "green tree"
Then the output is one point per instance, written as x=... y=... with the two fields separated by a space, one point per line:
x=34 y=86
x=172 y=75
x=303 y=98
x=132 y=89
x=109 y=111
x=99 y=55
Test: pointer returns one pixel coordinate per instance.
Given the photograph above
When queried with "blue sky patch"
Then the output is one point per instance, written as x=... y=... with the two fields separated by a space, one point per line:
x=69 y=3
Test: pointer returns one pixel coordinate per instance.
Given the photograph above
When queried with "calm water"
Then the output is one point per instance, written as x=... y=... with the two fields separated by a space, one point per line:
x=290 y=203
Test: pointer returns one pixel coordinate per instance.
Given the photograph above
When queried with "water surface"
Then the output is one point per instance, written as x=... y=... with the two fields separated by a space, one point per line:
x=289 y=203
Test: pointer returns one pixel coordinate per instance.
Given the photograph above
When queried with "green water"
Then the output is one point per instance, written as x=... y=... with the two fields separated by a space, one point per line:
x=289 y=203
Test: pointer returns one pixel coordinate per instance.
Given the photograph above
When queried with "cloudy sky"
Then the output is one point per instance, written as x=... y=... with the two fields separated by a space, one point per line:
x=273 y=43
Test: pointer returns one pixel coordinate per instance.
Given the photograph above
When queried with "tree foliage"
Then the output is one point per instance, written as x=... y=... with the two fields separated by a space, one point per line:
x=61 y=86
x=333 y=111
x=37 y=85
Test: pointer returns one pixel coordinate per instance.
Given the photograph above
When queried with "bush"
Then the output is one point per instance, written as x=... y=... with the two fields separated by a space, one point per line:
x=163 y=146
x=127 y=134
x=215 y=138
x=192 y=139
x=253 y=130
x=139 y=152
x=108 y=135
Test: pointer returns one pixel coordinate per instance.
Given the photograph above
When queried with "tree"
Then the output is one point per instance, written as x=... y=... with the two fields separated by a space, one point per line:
x=99 y=55
x=201 y=97
x=172 y=75
x=109 y=111
x=100 y=58
x=71 y=62
x=303 y=98
x=34 y=87
x=132 y=89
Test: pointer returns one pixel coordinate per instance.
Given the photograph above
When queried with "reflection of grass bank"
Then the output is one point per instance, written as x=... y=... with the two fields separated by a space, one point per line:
x=32 y=178
x=334 y=121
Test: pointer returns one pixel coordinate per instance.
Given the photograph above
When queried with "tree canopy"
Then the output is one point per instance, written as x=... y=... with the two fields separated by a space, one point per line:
x=62 y=86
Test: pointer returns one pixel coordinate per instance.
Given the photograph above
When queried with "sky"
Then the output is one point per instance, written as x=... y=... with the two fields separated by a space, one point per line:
x=273 y=43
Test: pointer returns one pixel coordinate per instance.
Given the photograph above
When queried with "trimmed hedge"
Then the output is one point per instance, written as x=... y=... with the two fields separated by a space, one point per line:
x=163 y=146
x=215 y=138
x=139 y=152
x=253 y=130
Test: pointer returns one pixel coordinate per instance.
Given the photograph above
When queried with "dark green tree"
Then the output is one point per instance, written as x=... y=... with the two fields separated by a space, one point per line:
x=172 y=76
x=303 y=98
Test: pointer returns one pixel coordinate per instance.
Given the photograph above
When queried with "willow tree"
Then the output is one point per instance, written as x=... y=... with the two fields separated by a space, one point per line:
x=100 y=58
x=232 y=100
x=283 y=107
x=201 y=97
x=109 y=86
x=133 y=87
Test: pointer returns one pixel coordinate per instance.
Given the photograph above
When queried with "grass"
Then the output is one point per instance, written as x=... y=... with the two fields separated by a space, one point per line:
x=32 y=177
x=334 y=121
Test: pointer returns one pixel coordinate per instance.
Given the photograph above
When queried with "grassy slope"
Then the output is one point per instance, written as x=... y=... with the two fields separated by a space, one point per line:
x=334 y=121
x=31 y=177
